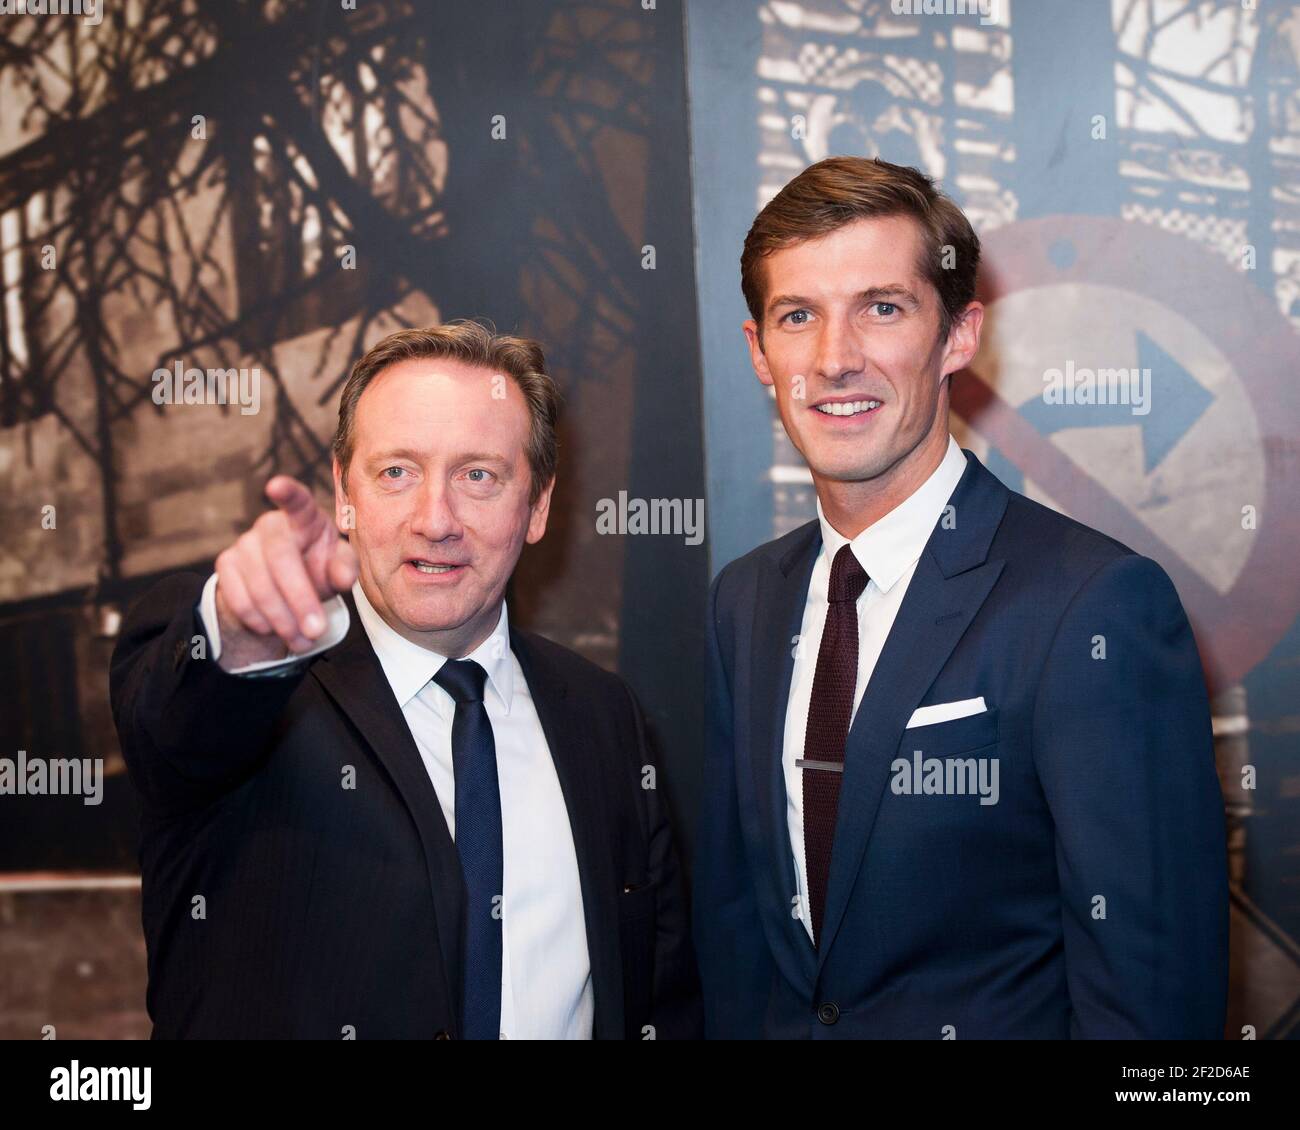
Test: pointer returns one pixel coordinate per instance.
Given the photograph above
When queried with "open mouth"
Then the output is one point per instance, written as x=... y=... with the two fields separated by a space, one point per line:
x=433 y=568
x=847 y=407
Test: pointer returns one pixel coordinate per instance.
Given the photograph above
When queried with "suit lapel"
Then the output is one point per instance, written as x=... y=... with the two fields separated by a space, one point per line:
x=581 y=781
x=952 y=579
x=778 y=619
x=353 y=677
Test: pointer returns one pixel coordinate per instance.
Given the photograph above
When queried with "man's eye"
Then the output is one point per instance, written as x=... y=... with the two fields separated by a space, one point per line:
x=887 y=309
x=386 y=470
x=478 y=475
x=797 y=317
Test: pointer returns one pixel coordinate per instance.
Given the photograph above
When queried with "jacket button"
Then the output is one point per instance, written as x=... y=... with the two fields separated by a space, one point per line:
x=442 y=1034
x=828 y=1013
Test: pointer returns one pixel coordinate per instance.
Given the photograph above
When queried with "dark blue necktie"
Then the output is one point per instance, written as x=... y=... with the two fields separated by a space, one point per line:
x=478 y=843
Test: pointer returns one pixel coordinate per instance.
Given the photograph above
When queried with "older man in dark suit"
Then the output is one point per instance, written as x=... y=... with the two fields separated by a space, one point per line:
x=372 y=806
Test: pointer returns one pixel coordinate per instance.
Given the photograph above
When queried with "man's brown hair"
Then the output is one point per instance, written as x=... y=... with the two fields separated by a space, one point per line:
x=841 y=190
x=519 y=358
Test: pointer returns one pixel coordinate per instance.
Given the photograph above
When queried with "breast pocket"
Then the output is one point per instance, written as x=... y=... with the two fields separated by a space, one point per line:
x=954 y=767
x=944 y=797
x=961 y=735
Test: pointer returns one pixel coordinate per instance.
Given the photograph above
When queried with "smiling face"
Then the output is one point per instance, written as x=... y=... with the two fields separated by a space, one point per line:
x=440 y=480
x=850 y=343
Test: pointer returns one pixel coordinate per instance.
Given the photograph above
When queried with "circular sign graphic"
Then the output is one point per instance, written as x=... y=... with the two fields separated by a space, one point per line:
x=1132 y=379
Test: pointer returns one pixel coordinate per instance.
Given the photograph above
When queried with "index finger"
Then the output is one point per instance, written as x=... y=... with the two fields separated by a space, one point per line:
x=295 y=500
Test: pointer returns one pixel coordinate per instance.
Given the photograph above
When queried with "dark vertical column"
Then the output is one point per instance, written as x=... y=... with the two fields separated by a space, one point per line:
x=665 y=580
x=723 y=40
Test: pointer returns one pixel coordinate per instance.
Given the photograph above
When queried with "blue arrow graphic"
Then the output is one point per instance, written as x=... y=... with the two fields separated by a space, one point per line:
x=1178 y=400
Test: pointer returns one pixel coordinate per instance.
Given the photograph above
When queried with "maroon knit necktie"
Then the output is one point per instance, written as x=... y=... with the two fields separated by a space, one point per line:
x=829 y=712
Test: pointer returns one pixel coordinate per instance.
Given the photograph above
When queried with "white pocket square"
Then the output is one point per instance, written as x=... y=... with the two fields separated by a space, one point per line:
x=946 y=712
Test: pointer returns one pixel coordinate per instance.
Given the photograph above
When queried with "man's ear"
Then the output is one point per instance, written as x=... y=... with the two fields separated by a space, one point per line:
x=963 y=339
x=756 y=357
x=344 y=516
x=539 y=512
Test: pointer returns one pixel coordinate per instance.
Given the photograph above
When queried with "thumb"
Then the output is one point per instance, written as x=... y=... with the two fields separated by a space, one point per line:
x=343 y=567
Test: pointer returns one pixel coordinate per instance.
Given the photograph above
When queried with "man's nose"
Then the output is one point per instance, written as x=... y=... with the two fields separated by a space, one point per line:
x=839 y=351
x=435 y=512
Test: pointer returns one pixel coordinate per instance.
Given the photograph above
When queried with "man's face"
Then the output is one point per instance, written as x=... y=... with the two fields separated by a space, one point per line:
x=851 y=345
x=439 y=480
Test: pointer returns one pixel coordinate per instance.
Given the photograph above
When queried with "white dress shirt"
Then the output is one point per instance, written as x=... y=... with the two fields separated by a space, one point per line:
x=888 y=550
x=546 y=990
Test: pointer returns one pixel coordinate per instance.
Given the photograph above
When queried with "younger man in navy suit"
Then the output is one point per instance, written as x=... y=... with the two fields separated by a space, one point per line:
x=960 y=778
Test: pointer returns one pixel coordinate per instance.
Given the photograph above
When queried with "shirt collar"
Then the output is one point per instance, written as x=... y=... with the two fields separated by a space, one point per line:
x=891 y=545
x=408 y=666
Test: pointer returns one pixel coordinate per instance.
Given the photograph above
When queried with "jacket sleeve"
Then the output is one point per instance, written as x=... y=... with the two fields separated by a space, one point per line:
x=736 y=967
x=189 y=731
x=675 y=1011
x=1124 y=750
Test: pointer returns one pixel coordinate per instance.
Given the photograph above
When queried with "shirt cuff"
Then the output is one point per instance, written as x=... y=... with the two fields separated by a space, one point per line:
x=337 y=621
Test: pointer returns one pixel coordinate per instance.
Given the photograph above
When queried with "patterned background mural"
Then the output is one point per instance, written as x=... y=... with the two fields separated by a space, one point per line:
x=272 y=186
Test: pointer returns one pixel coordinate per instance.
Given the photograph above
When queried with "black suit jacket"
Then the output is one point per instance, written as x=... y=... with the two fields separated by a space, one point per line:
x=278 y=903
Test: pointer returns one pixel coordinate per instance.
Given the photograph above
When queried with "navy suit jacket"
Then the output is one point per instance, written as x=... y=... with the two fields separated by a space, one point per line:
x=1089 y=901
